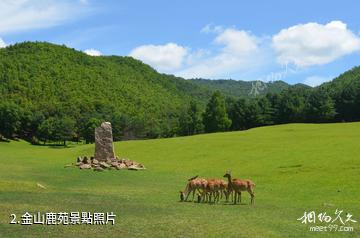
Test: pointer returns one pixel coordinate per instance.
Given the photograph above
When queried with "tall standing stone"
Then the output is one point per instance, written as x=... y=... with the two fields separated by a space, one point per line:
x=104 y=142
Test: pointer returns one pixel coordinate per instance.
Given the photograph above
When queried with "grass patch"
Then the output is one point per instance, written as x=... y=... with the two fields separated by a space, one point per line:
x=296 y=168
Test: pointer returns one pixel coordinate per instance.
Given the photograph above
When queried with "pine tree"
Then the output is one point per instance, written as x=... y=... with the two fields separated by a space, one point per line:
x=215 y=116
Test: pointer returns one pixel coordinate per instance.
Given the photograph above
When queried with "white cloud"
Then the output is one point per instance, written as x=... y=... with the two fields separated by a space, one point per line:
x=2 y=43
x=236 y=42
x=314 y=44
x=238 y=51
x=314 y=81
x=235 y=50
x=20 y=15
x=92 y=52
x=166 y=57
x=209 y=28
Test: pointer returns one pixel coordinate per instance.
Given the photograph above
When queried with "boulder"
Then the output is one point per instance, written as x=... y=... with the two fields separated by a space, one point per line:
x=133 y=167
x=85 y=166
x=121 y=166
x=104 y=149
x=99 y=169
x=129 y=163
x=95 y=161
x=104 y=165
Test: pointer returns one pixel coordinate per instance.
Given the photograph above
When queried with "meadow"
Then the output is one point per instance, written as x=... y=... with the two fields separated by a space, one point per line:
x=296 y=168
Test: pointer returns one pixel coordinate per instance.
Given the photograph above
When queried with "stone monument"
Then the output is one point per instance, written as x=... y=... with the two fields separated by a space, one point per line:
x=104 y=158
x=104 y=148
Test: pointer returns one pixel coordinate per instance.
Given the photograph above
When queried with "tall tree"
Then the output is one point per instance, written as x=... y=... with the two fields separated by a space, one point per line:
x=65 y=128
x=245 y=114
x=292 y=105
x=215 y=116
x=320 y=107
x=190 y=122
x=10 y=119
x=88 y=131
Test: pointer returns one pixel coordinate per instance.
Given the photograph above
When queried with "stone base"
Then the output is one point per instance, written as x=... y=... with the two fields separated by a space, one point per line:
x=116 y=163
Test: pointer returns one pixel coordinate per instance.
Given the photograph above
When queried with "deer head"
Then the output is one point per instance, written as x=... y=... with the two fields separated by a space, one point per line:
x=182 y=196
x=190 y=179
x=227 y=174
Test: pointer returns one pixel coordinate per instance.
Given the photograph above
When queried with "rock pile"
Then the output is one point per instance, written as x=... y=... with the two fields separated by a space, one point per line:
x=111 y=163
x=104 y=157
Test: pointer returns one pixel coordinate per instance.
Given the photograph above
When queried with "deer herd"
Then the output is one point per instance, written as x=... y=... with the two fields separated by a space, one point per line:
x=209 y=190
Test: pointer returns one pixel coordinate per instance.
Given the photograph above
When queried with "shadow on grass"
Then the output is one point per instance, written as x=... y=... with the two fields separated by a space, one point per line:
x=55 y=146
x=216 y=203
x=290 y=166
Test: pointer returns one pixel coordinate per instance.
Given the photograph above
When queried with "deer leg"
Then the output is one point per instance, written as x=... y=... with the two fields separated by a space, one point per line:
x=239 y=197
x=205 y=196
x=252 y=196
x=187 y=195
x=235 y=193
x=193 y=195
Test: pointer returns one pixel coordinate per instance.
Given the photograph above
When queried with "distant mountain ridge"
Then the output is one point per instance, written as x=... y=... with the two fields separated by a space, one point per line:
x=239 y=88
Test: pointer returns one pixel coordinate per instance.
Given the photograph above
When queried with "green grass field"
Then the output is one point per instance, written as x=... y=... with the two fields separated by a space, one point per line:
x=296 y=168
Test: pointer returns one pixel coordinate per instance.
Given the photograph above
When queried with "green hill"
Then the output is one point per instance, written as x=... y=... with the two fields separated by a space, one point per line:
x=345 y=90
x=245 y=89
x=54 y=80
x=297 y=168
x=41 y=81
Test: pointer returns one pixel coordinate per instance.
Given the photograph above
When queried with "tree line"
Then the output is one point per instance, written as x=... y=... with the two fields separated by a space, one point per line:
x=337 y=101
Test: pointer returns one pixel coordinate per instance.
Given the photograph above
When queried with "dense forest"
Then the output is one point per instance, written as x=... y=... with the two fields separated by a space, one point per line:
x=239 y=88
x=53 y=93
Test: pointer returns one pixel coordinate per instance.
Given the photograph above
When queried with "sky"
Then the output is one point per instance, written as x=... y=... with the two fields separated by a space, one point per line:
x=307 y=42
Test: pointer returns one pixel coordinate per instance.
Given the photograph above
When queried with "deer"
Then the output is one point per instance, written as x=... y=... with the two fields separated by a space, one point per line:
x=224 y=188
x=229 y=192
x=194 y=184
x=239 y=185
x=214 y=188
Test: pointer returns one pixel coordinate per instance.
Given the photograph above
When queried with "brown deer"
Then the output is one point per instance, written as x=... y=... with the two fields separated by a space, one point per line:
x=194 y=184
x=224 y=188
x=239 y=185
x=212 y=189
x=215 y=188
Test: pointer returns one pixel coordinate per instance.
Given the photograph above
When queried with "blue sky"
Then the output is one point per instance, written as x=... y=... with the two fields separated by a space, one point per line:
x=304 y=42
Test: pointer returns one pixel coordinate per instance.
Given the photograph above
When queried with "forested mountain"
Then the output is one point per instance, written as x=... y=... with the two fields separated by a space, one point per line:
x=345 y=91
x=52 y=81
x=53 y=93
x=239 y=88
